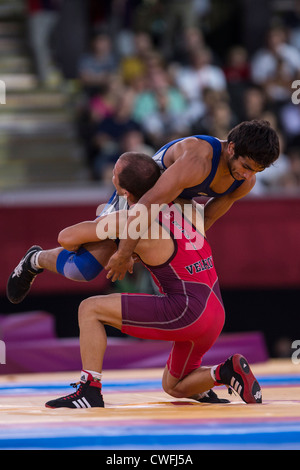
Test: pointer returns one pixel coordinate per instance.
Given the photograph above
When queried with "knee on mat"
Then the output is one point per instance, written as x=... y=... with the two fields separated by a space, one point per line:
x=173 y=391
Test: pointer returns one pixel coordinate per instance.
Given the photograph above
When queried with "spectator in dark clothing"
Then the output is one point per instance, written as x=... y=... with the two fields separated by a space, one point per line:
x=43 y=16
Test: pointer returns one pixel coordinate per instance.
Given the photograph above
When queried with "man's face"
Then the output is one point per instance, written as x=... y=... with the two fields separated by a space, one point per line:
x=242 y=168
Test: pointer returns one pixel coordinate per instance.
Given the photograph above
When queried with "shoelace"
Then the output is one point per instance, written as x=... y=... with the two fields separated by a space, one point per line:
x=18 y=269
x=75 y=384
x=78 y=390
x=231 y=391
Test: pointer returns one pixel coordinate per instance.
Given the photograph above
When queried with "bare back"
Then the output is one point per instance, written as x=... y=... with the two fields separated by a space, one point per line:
x=157 y=246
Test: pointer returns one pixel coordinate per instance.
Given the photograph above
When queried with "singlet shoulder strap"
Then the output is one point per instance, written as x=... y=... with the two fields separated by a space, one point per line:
x=217 y=148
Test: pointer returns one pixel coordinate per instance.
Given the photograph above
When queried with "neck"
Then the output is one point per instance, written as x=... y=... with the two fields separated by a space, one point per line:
x=131 y=202
x=224 y=157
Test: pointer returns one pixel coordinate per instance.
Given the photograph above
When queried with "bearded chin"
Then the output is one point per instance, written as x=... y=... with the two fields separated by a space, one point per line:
x=234 y=157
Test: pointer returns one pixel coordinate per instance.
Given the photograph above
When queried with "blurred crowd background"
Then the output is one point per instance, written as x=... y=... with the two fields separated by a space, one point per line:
x=87 y=80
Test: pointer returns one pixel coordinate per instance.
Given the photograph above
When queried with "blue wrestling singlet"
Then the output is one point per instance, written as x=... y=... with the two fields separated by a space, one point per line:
x=202 y=189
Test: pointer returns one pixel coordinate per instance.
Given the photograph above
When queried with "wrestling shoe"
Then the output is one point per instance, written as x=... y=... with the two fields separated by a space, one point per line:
x=22 y=277
x=235 y=372
x=87 y=395
x=211 y=397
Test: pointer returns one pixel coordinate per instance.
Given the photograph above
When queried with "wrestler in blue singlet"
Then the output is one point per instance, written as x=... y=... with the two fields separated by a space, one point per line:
x=82 y=265
x=202 y=189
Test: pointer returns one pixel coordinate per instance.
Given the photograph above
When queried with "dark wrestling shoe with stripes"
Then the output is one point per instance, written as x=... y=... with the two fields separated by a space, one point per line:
x=211 y=397
x=87 y=395
x=235 y=372
x=22 y=277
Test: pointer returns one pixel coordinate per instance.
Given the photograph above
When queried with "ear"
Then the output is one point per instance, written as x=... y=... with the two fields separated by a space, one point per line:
x=231 y=149
x=130 y=198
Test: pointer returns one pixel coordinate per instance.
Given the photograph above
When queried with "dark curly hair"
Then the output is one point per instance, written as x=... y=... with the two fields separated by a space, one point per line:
x=256 y=140
x=139 y=174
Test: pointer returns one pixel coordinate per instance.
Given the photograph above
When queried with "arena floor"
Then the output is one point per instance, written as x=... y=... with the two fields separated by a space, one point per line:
x=139 y=415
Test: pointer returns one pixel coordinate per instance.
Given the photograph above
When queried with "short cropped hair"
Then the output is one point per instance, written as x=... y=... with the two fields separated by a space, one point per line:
x=139 y=173
x=257 y=140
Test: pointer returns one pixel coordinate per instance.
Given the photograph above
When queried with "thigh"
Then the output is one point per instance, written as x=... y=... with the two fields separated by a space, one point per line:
x=106 y=308
x=185 y=357
x=197 y=339
x=150 y=316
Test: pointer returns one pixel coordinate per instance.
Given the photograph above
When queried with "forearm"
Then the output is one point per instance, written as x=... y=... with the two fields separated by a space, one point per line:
x=108 y=226
x=214 y=210
x=139 y=220
x=71 y=238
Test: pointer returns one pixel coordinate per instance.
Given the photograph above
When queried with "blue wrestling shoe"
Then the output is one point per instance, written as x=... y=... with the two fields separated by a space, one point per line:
x=22 y=277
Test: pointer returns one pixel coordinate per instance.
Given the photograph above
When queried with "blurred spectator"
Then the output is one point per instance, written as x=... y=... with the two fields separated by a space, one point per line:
x=289 y=116
x=103 y=103
x=237 y=68
x=91 y=110
x=132 y=141
x=218 y=118
x=238 y=75
x=201 y=73
x=291 y=19
x=97 y=66
x=133 y=65
x=43 y=16
x=192 y=39
x=270 y=180
x=178 y=16
x=253 y=103
x=276 y=65
x=110 y=132
x=160 y=108
x=223 y=120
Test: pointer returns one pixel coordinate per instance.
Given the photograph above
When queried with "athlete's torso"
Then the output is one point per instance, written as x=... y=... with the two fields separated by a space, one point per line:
x=190 y=269
x=203 y=188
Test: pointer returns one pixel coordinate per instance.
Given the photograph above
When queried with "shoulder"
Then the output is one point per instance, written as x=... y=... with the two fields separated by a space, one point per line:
x=191 y=156
x=191 y=147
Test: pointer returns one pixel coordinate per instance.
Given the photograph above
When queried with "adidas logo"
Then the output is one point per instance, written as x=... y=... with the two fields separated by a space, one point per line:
x=84 y=377
x=258 y=395
x=81 y=403
x=236 y=385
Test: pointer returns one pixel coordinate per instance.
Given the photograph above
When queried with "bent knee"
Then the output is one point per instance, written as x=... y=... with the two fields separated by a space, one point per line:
x=173 y=390
x=85 y=310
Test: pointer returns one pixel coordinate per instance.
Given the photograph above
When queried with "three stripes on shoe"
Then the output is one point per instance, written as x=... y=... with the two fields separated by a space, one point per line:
x=81 y=403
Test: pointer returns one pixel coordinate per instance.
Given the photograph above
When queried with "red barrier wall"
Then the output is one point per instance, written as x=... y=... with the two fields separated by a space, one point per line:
x=255 y=245
x=22 y=227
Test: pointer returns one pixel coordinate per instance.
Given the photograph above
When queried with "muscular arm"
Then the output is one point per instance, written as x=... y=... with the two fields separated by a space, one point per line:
x=217 y=207
x=188 y=169
x=109 y=226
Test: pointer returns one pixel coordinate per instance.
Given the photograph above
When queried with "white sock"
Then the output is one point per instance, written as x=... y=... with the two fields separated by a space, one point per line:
x=212 y=373
x=34 y=260
x=97 y=376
